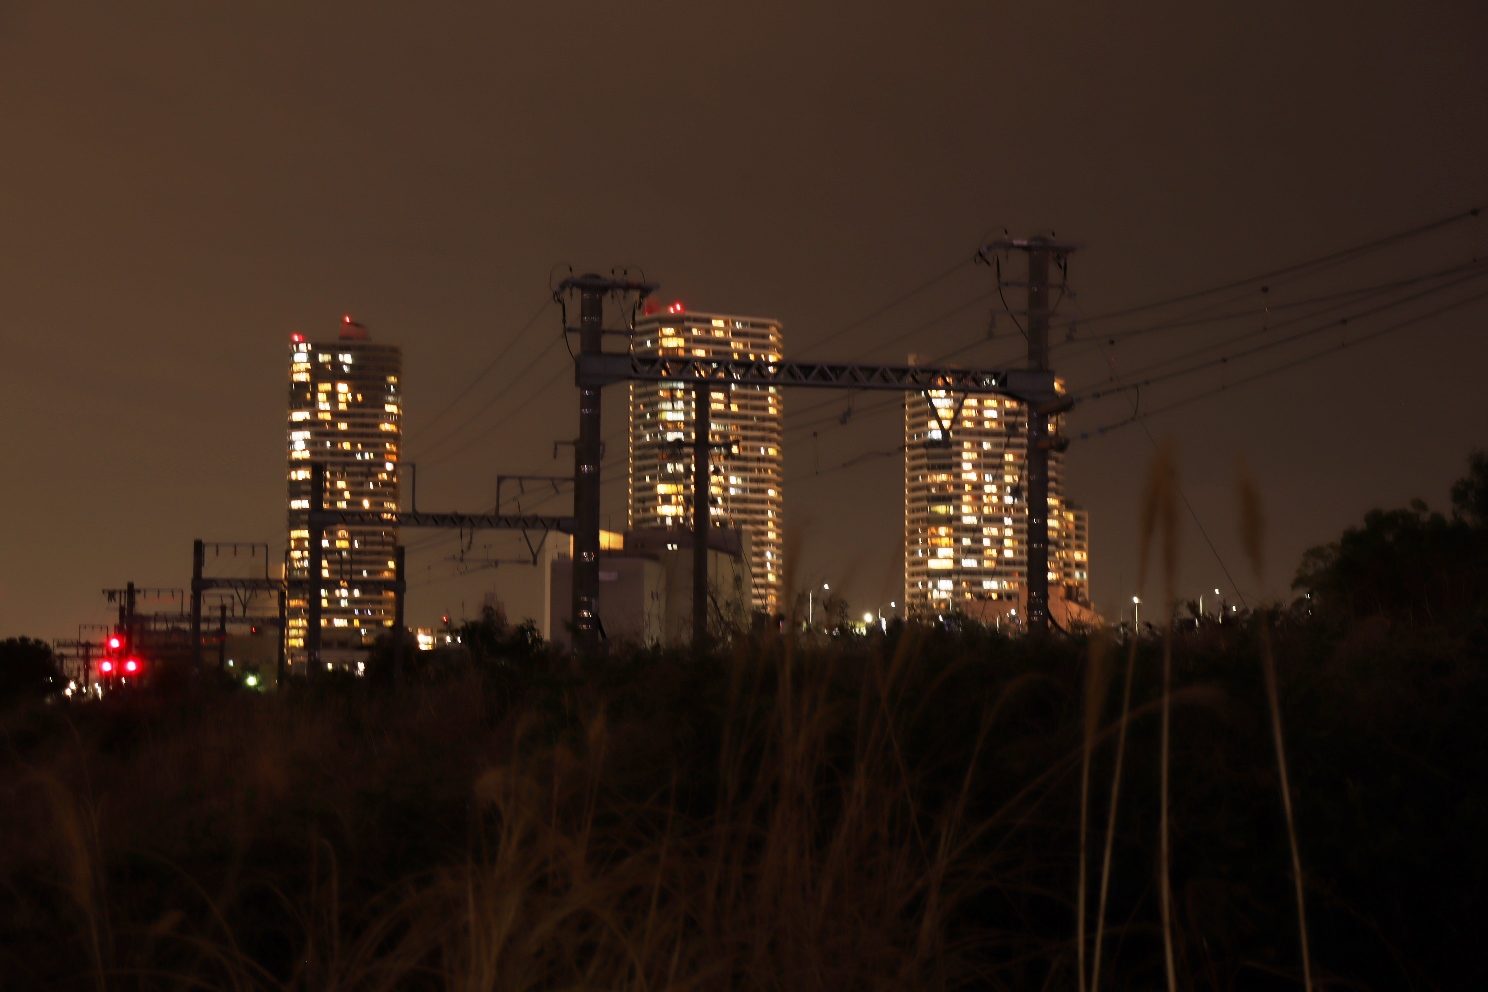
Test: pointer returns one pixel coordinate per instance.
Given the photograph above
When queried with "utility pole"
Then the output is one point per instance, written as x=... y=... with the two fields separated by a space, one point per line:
x=222 y=637
x=1038 y=449
x=283 y=635
x=317 y=563
x=589 y=448
x=400 y=585
x=1040 y=251
x=586 y=475
x=198 y=564
x=128 y=619
x=702 y=509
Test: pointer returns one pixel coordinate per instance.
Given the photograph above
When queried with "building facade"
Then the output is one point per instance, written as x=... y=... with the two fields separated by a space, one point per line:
x=966 y=510
x=745 y=425
x=345 y=410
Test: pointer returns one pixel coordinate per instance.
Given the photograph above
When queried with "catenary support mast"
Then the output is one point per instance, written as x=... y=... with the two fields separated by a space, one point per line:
x=1038 y=446
x=589 y=449
x=1040 y=251
x=586 y=475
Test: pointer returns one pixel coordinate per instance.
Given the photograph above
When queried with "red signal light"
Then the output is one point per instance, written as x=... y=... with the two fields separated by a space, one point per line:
x=297 y=338
x=131 y=665
x=675 y=307
x=114 y=643
x=106 y=667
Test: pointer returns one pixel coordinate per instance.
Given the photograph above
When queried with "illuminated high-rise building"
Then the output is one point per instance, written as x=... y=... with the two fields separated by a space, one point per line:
x=346 y=411
x=966 y=510
x=745 y=429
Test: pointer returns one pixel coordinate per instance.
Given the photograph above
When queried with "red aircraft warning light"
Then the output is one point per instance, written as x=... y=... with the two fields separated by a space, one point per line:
x=131 y=666
x=106 y=666
x=114 y=643
x=675 y=307
x=297 y=338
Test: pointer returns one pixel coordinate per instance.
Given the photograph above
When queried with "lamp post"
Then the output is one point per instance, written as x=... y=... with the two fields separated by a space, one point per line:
x=811 y=604
x=1137 y=612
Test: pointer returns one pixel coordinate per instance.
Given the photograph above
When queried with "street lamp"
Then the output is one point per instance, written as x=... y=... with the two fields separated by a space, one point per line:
x=811 y=604
x=1137 y=611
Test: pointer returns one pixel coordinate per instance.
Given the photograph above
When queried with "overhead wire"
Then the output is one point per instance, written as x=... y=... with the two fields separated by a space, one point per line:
x=500 y=355
x=1381 y=332
x=892 y=304
x=496 y=399
x=1345 y=254
x=1340 y=298
x=1149 y=380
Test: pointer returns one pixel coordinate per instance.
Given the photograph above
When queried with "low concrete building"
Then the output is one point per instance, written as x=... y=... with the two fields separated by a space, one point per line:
x=645 y=587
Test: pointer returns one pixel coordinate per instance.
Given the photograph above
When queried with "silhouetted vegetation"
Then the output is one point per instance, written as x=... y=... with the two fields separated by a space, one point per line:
x=1408 y=564
x=27 y=669
x=899 y=810
x=896 y=811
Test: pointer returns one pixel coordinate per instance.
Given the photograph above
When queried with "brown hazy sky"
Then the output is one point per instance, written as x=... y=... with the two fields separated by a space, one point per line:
x=182 y=185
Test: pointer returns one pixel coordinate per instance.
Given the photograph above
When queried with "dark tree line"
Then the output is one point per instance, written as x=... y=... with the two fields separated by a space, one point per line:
x=1411 y=564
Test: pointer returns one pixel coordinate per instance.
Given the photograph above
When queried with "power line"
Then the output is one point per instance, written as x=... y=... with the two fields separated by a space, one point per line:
x=500 y=395
x=1407 y=322
x=1193 y=320
x=542 y=387
x=512 y=343
x=1203 y=531
x=885 y=308
x=1337 y=256
x=1288 y=339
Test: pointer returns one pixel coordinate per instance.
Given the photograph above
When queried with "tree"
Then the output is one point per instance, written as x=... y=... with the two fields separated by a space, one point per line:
x=1470 y=494
x=1408 y=564
x=493 y=639
x=27 y=668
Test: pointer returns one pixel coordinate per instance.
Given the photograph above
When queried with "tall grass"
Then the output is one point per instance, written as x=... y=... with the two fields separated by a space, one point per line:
x=812 y=849
x=1252 y=532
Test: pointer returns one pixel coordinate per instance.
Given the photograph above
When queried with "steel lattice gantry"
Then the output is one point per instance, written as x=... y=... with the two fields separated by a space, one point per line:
x=594 y=369
x=321 y=517
x=1032 y=387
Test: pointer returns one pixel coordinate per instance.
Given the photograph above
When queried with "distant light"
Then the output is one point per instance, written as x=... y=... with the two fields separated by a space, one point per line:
x=251 y=681
x=675 y=307
x=1135 y=599
x=346 y=319
x=867 y=617
x=297 y=338
x=131 y=665
x=114 y=643
x=106 y=667
x=893 y=606
x=827 y=587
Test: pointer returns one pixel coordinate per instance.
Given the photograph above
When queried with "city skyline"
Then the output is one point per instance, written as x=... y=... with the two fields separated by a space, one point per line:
x=184 y=192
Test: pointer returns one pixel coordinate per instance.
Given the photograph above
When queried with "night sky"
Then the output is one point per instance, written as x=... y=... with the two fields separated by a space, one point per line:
x=184 y=185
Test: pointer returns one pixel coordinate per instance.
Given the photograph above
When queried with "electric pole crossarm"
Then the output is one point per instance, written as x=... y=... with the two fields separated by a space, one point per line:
x=1028 y=244
x=468 y=521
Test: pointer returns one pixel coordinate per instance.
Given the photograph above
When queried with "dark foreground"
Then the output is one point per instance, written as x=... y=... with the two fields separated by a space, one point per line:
x=901 y=812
